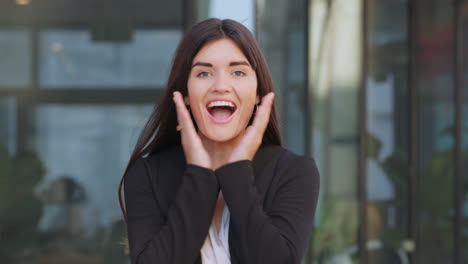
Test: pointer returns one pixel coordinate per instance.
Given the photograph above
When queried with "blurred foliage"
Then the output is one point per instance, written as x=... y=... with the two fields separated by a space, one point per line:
x=114 y=251
x=337 y=222
x=395 y=167
x=435 y=207
x=337 y=228
x=20 y=210
x=434 y=202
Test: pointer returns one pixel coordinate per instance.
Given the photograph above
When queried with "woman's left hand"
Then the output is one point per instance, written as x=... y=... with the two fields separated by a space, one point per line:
x=253 y=134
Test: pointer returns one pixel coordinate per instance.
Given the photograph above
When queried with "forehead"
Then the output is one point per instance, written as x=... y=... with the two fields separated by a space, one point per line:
x=220 y=51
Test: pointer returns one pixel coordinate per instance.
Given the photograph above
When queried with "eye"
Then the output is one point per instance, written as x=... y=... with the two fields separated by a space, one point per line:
x=203 y=74
x=239 y=73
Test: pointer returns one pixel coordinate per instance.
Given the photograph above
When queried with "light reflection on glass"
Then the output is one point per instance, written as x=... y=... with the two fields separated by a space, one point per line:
x=84 y=150
x=70 y=59
x=335 y=69
x=15 y=58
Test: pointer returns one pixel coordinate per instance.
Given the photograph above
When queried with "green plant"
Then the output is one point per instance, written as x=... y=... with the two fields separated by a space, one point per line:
x=20 y=210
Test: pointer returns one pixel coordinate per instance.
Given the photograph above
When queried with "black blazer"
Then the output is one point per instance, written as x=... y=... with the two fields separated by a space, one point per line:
x=170 y=205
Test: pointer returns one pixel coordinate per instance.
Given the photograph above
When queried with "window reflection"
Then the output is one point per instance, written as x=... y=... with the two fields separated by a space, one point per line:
x=240 y=10
x=64 y=197
x=387 y=132
x=20 y=209
x=282 y=38
x=435 y=86
x=15 y=58
x=69 y=58
x=335 y=70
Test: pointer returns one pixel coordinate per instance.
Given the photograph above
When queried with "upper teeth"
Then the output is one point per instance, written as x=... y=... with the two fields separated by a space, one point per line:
x=221 y=103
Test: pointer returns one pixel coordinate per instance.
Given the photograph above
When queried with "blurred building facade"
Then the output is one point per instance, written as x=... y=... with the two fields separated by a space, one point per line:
x=375 y=90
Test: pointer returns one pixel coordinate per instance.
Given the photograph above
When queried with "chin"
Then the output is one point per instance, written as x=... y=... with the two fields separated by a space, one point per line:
x=220 y=135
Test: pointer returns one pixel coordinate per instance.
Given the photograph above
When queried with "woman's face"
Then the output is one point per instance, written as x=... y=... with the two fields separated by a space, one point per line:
x=222 y=90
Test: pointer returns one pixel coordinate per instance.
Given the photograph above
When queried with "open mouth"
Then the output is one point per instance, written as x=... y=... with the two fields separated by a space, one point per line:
x=221 y=111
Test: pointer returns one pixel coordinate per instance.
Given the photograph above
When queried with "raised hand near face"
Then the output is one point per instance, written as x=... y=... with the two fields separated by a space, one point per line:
x=253 y=134
x=194 y=151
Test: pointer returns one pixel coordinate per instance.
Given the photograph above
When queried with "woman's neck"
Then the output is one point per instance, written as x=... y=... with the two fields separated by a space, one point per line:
x=219 y=152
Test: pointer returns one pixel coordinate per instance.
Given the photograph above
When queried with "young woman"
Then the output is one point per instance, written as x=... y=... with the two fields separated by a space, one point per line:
x=208 y=181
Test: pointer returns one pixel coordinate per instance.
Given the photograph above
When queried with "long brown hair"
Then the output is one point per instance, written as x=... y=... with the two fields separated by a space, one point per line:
x=160 y=130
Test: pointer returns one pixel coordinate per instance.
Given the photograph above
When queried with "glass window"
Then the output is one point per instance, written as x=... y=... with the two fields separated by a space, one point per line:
x=63 y=201
x=15 y=58
x=387 y=130
x=71 y=59
x=435 y=89
x=242 y=11
x=282 y=38
x=335 y=79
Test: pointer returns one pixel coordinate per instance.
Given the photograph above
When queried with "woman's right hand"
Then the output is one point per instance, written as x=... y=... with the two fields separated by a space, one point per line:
x=194 y=150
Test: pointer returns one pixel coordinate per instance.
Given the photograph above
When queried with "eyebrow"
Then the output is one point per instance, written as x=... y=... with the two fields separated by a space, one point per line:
x=232 y=63
x=235 y=63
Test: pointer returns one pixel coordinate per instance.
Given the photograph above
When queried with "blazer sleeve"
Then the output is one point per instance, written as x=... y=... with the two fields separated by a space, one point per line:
x=281 y=234
x=175 y=236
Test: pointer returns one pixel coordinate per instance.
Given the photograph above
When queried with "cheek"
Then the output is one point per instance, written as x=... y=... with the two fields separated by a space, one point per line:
x=249 y=92
x=253 y=86
x=249 y=96
x=194 y=90
x=197 y=108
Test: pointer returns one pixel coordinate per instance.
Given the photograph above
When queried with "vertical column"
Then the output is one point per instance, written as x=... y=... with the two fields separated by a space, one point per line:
x=413 y=127
x=458 y=98
x=189 y=13
x=465 y=126
x=335 y=80
x=386 y=152
x=363 y=139
x=462 y=129
x=26 y=101
x=435 y=86
x=282 y=37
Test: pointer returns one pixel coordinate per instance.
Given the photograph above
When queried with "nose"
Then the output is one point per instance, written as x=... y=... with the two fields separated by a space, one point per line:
x=222 y=83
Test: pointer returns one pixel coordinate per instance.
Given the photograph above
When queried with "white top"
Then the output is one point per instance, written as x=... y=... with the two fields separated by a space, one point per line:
x=215 y=249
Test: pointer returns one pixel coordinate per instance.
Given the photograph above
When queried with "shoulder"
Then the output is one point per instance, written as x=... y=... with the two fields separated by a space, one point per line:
x=151 y=164
x=291 y=159
x=283 y=158
x=168 y=157
x=291 y=165
x=169 y=153
x=280 y=170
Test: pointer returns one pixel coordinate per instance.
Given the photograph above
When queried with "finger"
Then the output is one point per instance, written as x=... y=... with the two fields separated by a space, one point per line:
x=180 y=109
x=262 y=115
x=183 y=116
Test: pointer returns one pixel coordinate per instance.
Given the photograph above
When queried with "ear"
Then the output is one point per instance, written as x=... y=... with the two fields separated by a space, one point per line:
x=186 y=99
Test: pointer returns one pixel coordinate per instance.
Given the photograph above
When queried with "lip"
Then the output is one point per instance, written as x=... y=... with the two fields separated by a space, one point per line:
x=216 y=121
